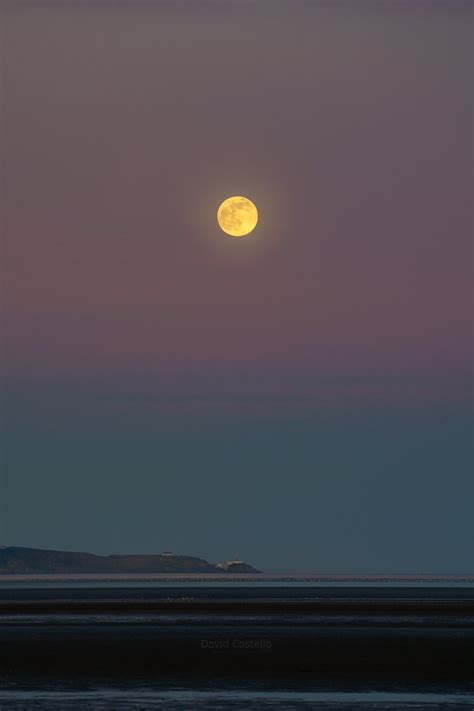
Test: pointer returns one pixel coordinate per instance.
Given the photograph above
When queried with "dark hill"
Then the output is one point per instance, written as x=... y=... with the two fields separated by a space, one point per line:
x=17 y=560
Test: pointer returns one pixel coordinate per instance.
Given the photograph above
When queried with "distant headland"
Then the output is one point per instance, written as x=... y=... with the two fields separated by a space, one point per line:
x=16 y=560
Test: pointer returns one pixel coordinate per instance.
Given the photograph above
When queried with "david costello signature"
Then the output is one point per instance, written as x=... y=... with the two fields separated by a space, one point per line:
x=263 y=645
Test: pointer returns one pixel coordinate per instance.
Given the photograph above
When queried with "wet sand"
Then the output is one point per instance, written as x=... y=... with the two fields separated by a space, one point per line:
x=316 y=633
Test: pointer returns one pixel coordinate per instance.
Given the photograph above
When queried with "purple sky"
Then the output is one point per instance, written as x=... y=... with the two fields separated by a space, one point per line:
x=129 y=314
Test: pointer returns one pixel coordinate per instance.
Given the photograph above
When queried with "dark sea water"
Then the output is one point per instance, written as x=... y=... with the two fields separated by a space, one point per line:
x=106 y=646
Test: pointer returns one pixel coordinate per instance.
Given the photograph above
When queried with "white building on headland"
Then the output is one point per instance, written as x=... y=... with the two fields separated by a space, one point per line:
x=237 y=561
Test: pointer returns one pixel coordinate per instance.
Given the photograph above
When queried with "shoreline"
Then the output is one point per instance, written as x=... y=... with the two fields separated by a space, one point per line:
x=467 y=579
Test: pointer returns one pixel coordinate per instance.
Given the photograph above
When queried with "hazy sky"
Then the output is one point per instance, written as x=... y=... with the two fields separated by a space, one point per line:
x=301 y=396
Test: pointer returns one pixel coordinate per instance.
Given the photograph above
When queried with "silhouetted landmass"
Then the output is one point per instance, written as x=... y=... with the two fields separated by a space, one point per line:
x=16 y=560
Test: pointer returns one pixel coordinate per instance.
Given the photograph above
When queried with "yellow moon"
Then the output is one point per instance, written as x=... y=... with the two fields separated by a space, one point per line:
x=237 y=216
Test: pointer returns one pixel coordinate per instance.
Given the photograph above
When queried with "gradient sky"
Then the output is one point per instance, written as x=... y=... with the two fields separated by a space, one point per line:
x=301 y=396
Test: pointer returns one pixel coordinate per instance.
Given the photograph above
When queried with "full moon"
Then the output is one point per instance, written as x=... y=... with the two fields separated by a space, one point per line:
x=237 y=216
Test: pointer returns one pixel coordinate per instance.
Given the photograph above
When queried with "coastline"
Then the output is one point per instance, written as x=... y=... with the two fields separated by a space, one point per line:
x=235 y=577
